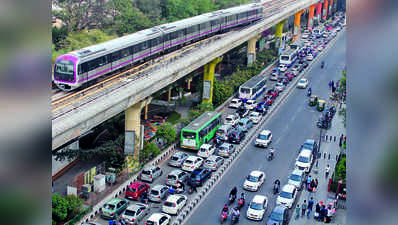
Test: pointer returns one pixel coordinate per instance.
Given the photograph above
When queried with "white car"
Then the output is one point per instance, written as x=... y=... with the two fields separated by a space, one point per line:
x=257 y=207
x=282 y=67
x=264 y=138
x=287 y=196
x=191 y=163
x=250 y=104
x=303 y=83
x=254 y=181
x=279 y=86
x=304 y=36
x=304 y=160
x=158 y=219
x=297 y=178
x=206 y=150
x=174 y=204
x=231 y=120
x=235 y=103
x=255 y=117
x=310 y=57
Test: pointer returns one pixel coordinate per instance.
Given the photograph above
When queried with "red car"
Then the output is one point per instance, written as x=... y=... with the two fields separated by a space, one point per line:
x=272 y=92
x=135 y=190
x=268 y=99
x=289 y=76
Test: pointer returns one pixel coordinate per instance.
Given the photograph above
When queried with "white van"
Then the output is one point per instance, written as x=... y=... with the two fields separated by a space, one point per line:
x=304 y=160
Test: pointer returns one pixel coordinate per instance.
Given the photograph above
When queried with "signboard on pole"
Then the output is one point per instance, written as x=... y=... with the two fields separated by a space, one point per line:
x=142 y=133
x=129 y=141
x=207 y=89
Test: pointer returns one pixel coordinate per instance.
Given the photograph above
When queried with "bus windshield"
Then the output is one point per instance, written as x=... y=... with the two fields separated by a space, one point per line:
x=284 y=57
x=245 y=90
x=189 y=135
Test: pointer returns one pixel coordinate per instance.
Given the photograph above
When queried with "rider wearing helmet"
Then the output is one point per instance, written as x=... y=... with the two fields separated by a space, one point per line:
x=235 y=212
x=309 y=91
x=277 y=183
x=225 y=208
x=242 y=195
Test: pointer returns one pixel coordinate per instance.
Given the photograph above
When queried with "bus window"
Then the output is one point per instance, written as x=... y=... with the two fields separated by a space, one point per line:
x=189 y=135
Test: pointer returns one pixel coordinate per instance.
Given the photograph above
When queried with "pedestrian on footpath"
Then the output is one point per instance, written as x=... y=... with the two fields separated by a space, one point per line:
x=341 y=140
x=304 y=207
x=193 y=185
x=327 y=170
x=316 y=183
x=322 y=214
x=297 y=211
x=310 y=206
x=317 y=211
x=330 y=84
x=308 y=181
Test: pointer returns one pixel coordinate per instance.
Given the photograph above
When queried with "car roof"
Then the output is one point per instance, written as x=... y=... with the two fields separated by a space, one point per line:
x=256 y=173
x=298 y=172
x=226 y=144
x=279 y=209
x=265 y=132
x=135 y=206
x=303 y=79
x=205 y=146
x=158 y=187
x=288 y=188
x=232 y=115
x=173 y=198
x=192 y=157
x=179 y=153
x=305 y=152
x=150 y=167
x=157 y=216
x=175 y=172
x=114 y=201
x=213 y=157
x=310 y=141
x=255 y=113
x=259 y=198
x=136 y=184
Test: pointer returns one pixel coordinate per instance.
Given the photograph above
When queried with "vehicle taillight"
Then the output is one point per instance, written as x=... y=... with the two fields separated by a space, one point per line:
x=112 y=214
x=167 y=180
x=174 y=204
x=150 y=176
x=132 y=220
x=214 y=164
x=192 y=166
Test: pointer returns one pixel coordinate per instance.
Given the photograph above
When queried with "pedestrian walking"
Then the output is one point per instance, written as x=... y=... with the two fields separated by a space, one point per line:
x=308 y=181
x=310 y=206
x=297 y=211
x=322 y=214
x=312 y=184
x=304 y=207
x=317 y=211
x=316 y=183
x=341 y=140
x=327 y=170
x=330 y=84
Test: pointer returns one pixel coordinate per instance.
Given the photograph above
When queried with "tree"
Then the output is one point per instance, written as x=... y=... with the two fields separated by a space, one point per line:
x=343 y=82
x=221 y=91
x=149 y=152
x=166 y=132
x=59 y=208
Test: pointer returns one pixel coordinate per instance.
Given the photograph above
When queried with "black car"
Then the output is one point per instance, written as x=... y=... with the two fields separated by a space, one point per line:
x=242 y=112
x=236 y=136
x=199 y=176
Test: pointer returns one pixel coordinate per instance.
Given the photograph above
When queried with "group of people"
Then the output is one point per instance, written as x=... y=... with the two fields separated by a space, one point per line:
x=311 y=184
x=235 y=213
x=323 y=212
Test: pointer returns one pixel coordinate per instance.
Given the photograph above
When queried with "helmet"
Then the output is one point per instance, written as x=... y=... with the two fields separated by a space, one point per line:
x=236 y=208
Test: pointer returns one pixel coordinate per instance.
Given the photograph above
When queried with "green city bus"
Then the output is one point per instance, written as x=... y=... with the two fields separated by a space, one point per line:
x=201 y=130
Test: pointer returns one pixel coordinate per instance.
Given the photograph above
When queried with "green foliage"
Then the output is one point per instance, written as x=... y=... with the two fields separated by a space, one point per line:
x=193 y=114
x=65 y=208
x=167 y=132
x=173 y=117
x=343 y=113
x=343 y=81
x=184 y=121
x=58 y=36
x=205 y=107
x=341 y=170
x=149 y=152
x=221 y=92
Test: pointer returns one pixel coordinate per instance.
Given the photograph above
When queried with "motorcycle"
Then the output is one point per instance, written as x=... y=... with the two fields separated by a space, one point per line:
x=241 y=203
x=322 y=65
x=231 y=199
x=308 y=93
x=271 y=154
x=224 y=216
x=276 y=189
x=234 y=219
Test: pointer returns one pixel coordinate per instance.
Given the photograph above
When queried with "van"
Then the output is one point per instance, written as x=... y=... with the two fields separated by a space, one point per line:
x=222 y=132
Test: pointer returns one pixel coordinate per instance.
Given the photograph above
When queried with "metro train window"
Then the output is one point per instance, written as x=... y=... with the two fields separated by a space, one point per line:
x=154 y=42
x=214 y=22
x=125 y=52
x=144 y=45
x=115 y=56
x=101 y=61
x=83 y=68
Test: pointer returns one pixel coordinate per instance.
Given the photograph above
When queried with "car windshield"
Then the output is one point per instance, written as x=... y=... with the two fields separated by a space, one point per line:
x=285 y=194
x=174 y=158
x=262 y=137
x=171 y=177
x=228 y=119
x=220 y=131
x=129 y=213
x=302 y=81
x=235 y=101
x=169 y=204
x=208 y=161
x=154 y=192
x=284 y=57
x=148 y=222
x=188 y=162
x=252 y=178
x=110 y=206
x=223 y=148
x=303 y=159
x=295 y=177
x=256 y=206
x=276 y=216
x=203 y=149
x=241 y=124
x=132 y=190
x=189 y=135
x=308 y=146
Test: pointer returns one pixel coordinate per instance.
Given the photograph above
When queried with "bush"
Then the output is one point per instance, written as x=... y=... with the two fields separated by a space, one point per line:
x=173 y=117
x=166 y=132
x=149 y=152
x=65 y=208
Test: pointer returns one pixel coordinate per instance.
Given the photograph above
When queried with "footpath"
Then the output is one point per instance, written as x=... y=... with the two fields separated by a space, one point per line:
x=319 y=172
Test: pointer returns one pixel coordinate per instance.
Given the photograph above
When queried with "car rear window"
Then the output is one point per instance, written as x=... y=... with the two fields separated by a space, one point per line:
x=168 y=204
x=146 y=172
x=155 y=192
x=175 y=158
x=148 y=222
x=209 y=161
x=188 y=162
x=172 y=177
x=129 y=213
x=110 y=206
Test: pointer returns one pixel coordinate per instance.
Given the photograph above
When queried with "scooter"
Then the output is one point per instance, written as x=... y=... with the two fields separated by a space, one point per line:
x=231 y=199
x=234 y=219
x=308 y=93
x=271 y=154
x=276 y=189
x=241 y=203
x=224 y=216
x=322 y=65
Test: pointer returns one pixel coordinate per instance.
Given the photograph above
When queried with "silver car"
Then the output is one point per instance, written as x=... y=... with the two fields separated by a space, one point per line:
x=135 y=213
x=226 y=149
x=213 y=162
x=178 y=158
x=158 y=193
x=176 y=176
x=150 y=173
x=297 y=178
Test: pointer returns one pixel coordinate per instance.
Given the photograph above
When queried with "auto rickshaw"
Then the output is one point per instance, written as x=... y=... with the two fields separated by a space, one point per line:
x=313 y=100
x=321 y=105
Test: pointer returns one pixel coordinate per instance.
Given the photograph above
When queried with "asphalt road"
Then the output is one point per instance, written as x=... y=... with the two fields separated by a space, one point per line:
x=291 y=125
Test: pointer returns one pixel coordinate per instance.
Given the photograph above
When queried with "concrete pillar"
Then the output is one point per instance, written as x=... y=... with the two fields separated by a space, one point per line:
x=310 y=17
x=319 y=11
x=133 y=128
x=189 y=83
x=208 y=80
x=251 y=50
x=296 y=29
x=169 y=95
x=146 y=112
x=278 y=33
x=325 y=9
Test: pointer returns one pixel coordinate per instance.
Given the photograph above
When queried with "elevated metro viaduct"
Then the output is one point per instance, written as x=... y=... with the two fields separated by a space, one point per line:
x=133 y=96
